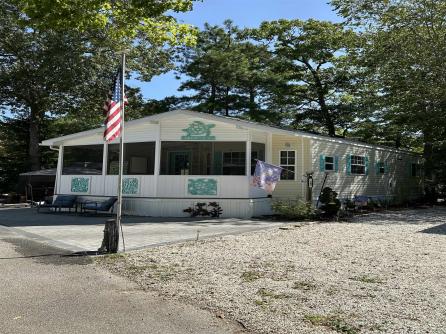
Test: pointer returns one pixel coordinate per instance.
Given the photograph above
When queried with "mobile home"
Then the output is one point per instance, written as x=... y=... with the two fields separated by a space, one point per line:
x=178 y=158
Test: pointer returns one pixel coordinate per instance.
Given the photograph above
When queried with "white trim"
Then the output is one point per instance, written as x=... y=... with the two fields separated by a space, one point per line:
x=295 y=161
x=248 y=156
x=229 y=120
x=156 y=171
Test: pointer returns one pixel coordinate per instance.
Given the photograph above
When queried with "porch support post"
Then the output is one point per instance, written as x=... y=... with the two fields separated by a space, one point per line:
x=269 y=148
x=59 y=170
x=248 y=155
x=157 y=159
x=104 y=166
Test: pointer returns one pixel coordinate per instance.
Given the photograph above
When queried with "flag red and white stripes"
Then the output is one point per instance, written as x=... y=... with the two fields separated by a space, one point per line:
x=112 y=109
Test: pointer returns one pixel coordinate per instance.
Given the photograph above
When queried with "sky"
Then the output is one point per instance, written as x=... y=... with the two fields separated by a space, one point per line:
x=244 y=13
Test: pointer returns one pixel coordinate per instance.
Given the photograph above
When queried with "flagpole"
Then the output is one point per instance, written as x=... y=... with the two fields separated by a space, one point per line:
x=121 y=153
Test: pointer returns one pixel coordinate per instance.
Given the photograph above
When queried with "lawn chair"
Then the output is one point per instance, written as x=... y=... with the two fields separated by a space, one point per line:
x=61 y=202
x=103 y=206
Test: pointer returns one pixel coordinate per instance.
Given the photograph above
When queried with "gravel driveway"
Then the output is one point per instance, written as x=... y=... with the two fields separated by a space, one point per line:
x=381 y=273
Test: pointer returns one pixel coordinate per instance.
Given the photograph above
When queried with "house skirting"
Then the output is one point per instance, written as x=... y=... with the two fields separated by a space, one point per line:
x=173 y=207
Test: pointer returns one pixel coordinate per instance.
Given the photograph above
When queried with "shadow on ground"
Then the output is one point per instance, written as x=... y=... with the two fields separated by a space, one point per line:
x=24 y=217
x=45 y=254
x=439 y=229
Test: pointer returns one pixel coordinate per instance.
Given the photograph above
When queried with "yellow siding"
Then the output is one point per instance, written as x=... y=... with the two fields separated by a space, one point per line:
x=397 y=183
x=292 y=188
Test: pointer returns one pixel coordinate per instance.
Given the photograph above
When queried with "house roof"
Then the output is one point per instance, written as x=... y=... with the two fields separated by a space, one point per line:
x=230 y=120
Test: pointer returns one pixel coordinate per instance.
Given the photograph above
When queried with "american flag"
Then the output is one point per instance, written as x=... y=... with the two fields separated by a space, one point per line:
x=112 y=109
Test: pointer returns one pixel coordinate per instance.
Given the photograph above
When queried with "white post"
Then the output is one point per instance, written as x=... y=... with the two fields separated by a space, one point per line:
x=248 y=155
x=104 y=166
x=156 y=170
x=58 y=171
x=121 y=149
x=269 y=148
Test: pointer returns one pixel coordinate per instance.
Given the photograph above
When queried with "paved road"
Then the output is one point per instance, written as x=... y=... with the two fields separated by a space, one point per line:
x=43 y=290
x=79 y=232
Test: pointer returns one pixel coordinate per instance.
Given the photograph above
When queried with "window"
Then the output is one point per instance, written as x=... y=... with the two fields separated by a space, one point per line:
x=139 y=159
x=380 y=167
x=288 y=163
x=82 y=160
x=415 y=170
x=357 y=164
x=329 y=164
x=234 y=163
x=203 y=158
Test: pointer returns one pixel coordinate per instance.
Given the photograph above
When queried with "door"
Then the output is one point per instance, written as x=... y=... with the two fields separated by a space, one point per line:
x=179 y=163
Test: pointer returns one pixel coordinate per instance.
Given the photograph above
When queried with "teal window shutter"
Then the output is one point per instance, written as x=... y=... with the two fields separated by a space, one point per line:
x=336 y=162
x=322 y=163
x=386 y=168
x=366 y=160
x=218 y=163
x=377 y=165
x=348 y=164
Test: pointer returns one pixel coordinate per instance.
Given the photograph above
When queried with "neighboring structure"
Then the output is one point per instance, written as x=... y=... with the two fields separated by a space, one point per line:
x=178 y=158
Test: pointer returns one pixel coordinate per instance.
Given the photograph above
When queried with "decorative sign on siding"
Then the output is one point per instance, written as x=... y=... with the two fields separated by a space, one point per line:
x=197 y=130
x=130 y=186
x=202 y=187
x=80 y=184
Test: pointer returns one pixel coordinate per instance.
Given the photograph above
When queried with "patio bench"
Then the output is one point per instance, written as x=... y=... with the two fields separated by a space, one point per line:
x=96 y=206
x=61 y=202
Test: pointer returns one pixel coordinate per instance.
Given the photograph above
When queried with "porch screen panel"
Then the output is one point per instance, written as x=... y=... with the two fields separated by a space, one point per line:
x=257 y=153
x=203 y=158
x=139 y=159
x=82 y=160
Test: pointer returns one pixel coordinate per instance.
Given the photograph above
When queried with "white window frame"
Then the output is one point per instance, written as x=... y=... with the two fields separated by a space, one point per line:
x=382 y=167
x=333 y=169
x=286 y=166
x=356 y=164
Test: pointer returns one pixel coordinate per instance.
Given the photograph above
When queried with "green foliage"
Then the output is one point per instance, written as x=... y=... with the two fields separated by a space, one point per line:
x=403 y=58
x=58 y=60
x=122 y=21
x=319 y=78
x=293 y=210
x=333 y=322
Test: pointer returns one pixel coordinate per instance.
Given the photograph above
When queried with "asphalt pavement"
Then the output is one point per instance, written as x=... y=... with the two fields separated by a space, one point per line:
x=44 y=289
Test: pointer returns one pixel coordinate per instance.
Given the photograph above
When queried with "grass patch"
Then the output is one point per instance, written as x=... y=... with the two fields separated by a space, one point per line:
x=265 y=293
x=111 y=258
x=304 y=285
x=333 y=322
x=251 y=276
x=367 y=279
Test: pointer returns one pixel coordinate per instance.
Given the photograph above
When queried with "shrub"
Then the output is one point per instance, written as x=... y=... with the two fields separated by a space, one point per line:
x=293 y=210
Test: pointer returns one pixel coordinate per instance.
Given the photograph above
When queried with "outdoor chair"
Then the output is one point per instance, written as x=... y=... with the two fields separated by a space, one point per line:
x=61 y=202
x=103 y=206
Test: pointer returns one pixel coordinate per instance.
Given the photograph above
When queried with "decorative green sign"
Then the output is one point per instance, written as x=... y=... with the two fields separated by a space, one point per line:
x=130 y=186
x=197 y=130
x=79 y=184
x=201 y=187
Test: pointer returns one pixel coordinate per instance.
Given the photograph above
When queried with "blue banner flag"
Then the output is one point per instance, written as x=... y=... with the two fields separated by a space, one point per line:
x=266 y=176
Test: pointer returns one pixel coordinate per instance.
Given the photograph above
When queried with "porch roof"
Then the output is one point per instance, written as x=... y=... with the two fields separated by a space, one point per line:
x=229 y=120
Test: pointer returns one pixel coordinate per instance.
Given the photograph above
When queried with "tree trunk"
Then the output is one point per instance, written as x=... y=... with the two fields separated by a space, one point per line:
x=227 y=101
x=328 y=119
x=211 y=107
x=428 y=156
x=34 y=137
x=252 y=105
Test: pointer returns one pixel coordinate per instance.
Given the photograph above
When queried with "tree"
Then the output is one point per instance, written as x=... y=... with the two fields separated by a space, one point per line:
x=404 y=54
x=320 y=81
x=58 y=58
